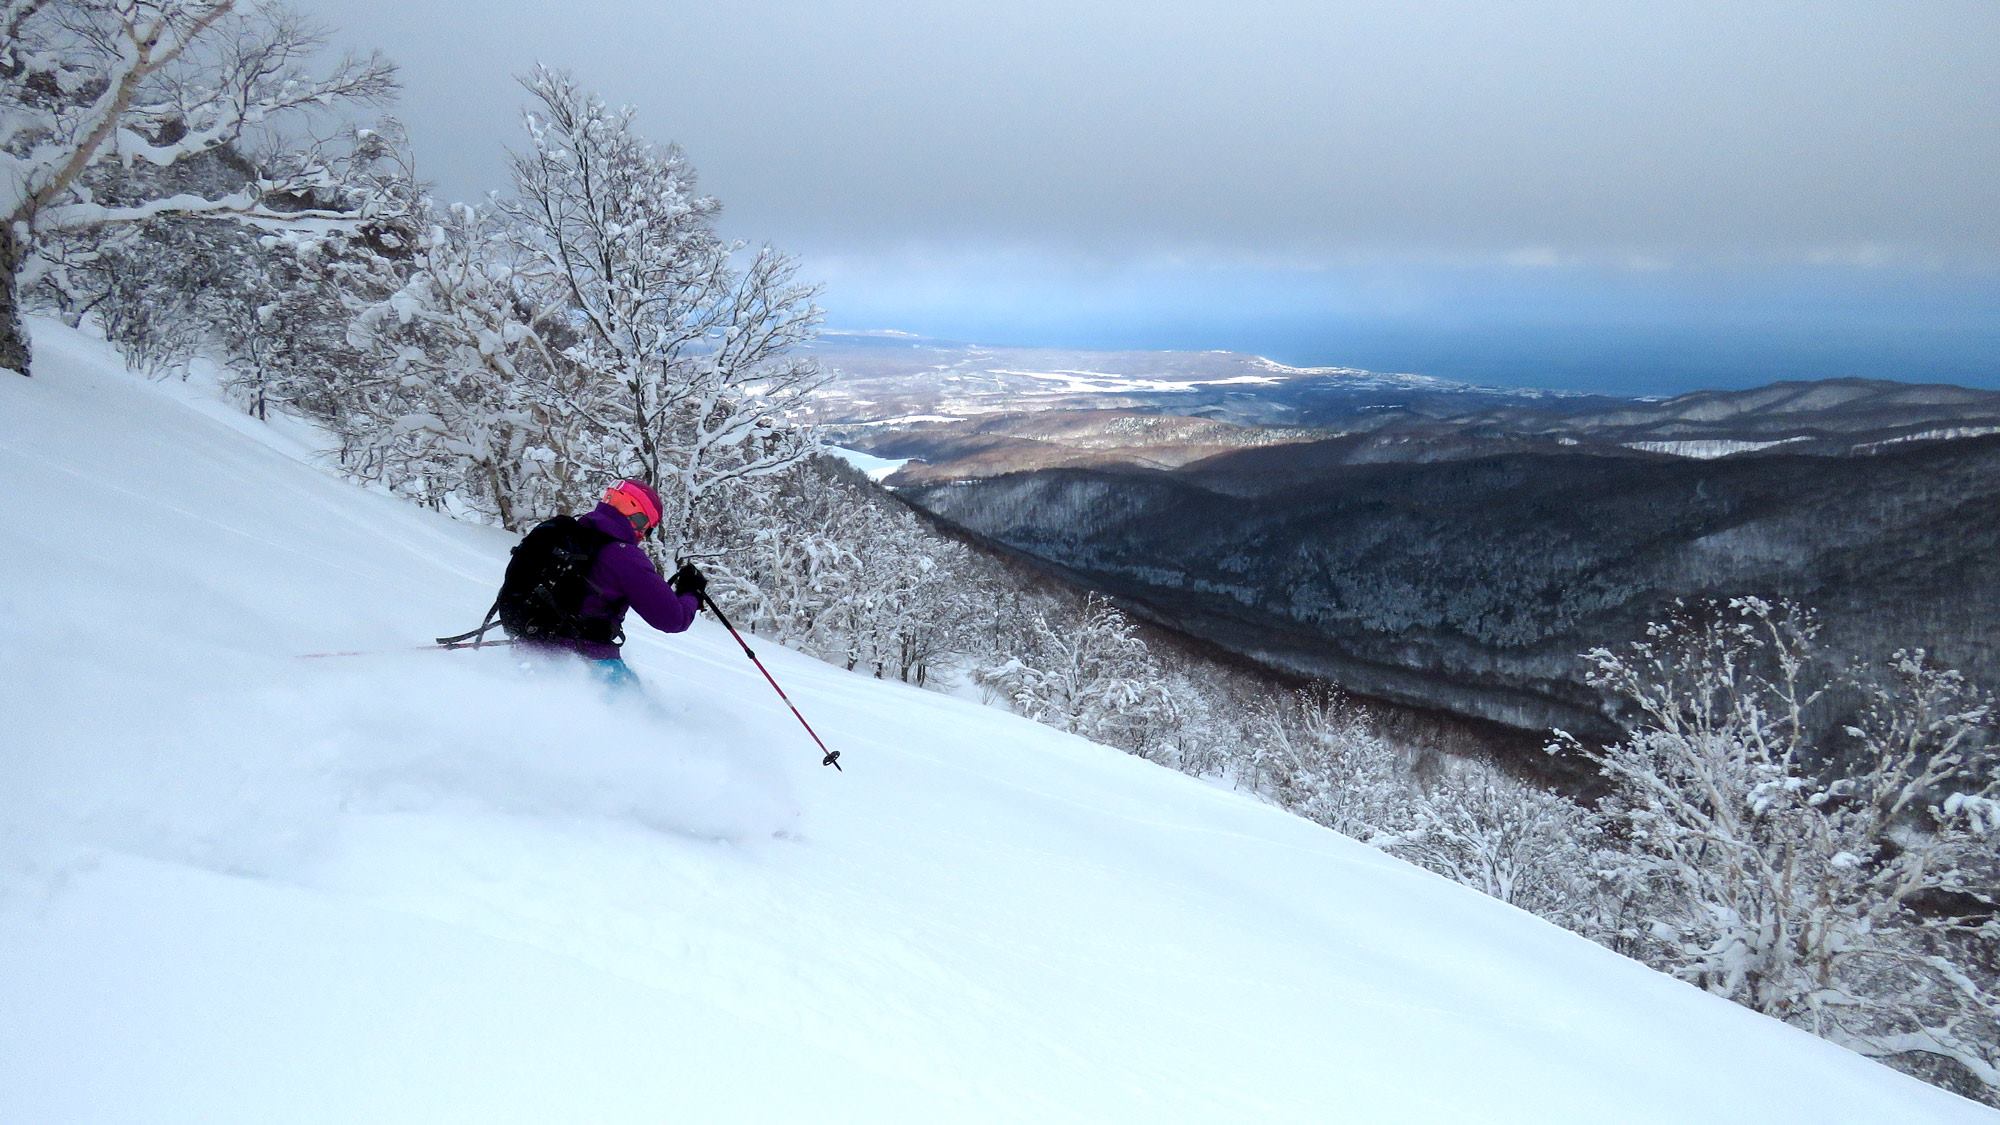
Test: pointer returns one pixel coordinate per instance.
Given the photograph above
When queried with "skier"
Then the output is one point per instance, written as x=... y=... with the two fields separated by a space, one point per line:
x=572 y=580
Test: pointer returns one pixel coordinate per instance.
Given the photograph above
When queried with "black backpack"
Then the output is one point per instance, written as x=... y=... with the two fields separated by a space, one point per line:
x=546 y=582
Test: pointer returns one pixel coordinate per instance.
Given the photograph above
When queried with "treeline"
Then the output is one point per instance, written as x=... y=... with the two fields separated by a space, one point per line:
x=501 y=360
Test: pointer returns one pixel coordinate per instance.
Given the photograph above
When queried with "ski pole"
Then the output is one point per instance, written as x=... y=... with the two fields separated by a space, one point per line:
x=440 y=646
x=832 y=756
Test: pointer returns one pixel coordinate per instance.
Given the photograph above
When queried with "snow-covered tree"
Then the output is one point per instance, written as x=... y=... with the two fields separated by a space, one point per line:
x=468 y=381
x=1530 y=847
x=922 y=597
x=697 y=389
x=1089 y=673
x=150 y=286
x=104 y=102
x=798 y=562
x=1853 y=893
x=1202 y=740
x=281 y=313
x=1318 y=755
x=831 y=564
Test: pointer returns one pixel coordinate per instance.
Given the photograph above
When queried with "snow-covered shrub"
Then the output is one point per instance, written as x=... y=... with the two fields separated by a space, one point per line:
x=1318 y=755
x=1205 y=739
x=830 y=564
x=149 y=287
x=1530 y=847
x=1859 y=902
x=1089 y=673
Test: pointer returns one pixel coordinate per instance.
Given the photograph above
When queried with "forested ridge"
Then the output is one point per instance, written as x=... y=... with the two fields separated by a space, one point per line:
x=1472 y=584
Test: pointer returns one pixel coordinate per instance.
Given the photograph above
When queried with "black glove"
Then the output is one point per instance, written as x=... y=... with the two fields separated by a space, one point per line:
x=689 y=580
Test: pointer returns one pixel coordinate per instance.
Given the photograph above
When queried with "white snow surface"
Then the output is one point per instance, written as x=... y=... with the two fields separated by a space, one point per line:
x=875 y=467
x=1709 y=449
x=238 y=885
x=1080 y=382
x=1945 y=434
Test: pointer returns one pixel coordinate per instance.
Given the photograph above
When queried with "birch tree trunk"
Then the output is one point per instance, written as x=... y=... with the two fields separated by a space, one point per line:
x=13 y=333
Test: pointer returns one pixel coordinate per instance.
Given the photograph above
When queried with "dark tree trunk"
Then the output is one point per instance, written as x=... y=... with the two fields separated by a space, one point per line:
x=13 y=333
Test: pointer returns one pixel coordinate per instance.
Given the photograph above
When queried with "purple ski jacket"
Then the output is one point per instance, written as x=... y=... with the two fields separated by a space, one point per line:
x=622 y=578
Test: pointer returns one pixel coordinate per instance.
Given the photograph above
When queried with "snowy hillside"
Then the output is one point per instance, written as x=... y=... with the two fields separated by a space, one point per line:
x=238 y=885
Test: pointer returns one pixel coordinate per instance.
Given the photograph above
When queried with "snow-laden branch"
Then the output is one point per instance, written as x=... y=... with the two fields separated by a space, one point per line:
x=99 y=97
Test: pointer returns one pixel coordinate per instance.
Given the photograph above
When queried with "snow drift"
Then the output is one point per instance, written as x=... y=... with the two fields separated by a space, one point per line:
x=419 y=886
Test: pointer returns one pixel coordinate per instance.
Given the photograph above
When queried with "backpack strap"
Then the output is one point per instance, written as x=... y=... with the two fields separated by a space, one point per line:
x=476 y=636
x=597 y=630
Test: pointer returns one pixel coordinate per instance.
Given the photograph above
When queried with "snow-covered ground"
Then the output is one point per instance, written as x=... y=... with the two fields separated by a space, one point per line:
x=1112 y=382
x=1709 y=449
x=239 y=885
x=875 y=467
x=1945 y=434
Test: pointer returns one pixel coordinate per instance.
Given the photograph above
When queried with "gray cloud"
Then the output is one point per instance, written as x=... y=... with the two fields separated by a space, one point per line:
x=1288 y=132
x=1644 y=195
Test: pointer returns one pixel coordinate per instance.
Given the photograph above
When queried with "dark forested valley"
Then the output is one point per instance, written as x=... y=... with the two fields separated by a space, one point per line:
x=1472 y=583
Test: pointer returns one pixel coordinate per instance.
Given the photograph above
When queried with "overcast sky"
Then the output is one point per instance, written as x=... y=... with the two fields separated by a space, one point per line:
x=1635 y=195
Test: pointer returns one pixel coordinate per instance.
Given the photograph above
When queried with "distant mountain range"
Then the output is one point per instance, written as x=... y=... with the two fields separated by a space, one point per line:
x=1444 y=544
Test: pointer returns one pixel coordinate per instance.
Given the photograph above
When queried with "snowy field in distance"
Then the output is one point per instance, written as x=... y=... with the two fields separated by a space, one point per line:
x=237 y=885
x=875 y=467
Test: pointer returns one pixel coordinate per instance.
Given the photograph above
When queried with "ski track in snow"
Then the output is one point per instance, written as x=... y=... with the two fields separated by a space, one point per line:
x=240 y=886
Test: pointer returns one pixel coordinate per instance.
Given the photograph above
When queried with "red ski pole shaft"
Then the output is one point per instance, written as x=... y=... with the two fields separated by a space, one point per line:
x=832 y=756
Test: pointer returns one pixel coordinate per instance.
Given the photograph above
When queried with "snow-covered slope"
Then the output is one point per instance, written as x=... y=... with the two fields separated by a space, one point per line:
x=237 y=885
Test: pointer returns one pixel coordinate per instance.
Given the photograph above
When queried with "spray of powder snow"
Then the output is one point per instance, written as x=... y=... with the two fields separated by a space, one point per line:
x=246 y=764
